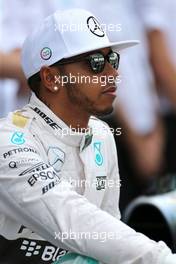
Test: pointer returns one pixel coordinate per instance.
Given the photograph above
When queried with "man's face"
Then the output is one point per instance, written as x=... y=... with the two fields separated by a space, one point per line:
x=92 y=92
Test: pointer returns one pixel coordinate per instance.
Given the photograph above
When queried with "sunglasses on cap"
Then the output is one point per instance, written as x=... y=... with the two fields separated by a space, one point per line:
x=96 y=60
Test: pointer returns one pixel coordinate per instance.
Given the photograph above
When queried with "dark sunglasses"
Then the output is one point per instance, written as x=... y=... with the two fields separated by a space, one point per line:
x=97 y=60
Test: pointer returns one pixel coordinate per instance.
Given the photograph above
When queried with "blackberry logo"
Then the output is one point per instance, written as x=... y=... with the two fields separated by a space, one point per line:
x=41 y=251
x=31 y=248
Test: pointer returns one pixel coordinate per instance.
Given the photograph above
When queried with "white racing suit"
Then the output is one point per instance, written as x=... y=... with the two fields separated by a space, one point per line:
x=63 y=188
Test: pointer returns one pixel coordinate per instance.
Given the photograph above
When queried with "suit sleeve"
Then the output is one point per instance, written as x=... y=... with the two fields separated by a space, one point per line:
x=34 y=195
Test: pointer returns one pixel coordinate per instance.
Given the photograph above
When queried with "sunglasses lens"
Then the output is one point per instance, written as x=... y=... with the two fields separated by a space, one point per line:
x=97 y=62
x=114 y=59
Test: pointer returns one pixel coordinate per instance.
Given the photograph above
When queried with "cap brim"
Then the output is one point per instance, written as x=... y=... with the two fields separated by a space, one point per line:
x=118 y=46
x=124 y=44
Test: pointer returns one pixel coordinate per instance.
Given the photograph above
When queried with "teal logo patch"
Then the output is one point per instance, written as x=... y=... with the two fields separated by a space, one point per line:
x=18 y=138
x=98 y=155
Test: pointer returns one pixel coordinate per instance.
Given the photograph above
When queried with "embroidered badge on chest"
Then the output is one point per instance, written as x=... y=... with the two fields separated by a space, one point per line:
x=56 y=158
x=100 y=183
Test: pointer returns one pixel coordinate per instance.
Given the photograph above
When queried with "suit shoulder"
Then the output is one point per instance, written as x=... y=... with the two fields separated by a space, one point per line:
x=100 y=129
x=20 y=119
x=16 y=129
x=96 y=122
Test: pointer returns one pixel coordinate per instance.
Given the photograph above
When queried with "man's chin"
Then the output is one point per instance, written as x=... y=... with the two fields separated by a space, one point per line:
x=104 y=112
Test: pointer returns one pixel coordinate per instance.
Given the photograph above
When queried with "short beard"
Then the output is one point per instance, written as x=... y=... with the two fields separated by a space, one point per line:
x=77 y=97
x=105 y=112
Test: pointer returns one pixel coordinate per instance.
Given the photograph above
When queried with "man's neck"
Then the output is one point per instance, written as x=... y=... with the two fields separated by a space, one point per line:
x=73 y=118
x=72 y=115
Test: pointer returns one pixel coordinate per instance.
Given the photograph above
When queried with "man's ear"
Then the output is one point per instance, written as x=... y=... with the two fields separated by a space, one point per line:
x=48 y=77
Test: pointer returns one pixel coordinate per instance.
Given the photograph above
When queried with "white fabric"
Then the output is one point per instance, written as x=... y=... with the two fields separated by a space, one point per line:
x=40 y=192
x=63 y=35
x=169 y=259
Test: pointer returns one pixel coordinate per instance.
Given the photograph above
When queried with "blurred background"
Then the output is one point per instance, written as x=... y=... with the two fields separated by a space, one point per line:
x=145 y=104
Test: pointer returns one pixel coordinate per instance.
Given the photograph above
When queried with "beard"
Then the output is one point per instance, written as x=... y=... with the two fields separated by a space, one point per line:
x=77 y=97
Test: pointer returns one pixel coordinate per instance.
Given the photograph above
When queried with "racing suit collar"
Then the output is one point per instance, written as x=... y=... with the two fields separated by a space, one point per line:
x=56 y=126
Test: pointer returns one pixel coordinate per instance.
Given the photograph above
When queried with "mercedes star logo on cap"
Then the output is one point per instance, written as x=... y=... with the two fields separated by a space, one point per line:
x=95 y=27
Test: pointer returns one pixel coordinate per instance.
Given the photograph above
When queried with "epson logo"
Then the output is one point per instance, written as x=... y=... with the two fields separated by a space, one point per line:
x=46 y=118
x=43 y=176
x=36 y=168
x=40 y=172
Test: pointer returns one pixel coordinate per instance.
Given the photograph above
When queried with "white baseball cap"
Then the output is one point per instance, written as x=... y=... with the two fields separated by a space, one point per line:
x=63 y=35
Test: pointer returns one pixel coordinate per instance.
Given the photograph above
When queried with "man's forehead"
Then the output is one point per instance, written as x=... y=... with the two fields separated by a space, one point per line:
x=104 y=51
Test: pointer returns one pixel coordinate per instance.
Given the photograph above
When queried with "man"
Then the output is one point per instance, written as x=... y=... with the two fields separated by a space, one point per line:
x=137 y=114
x=59 y=171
